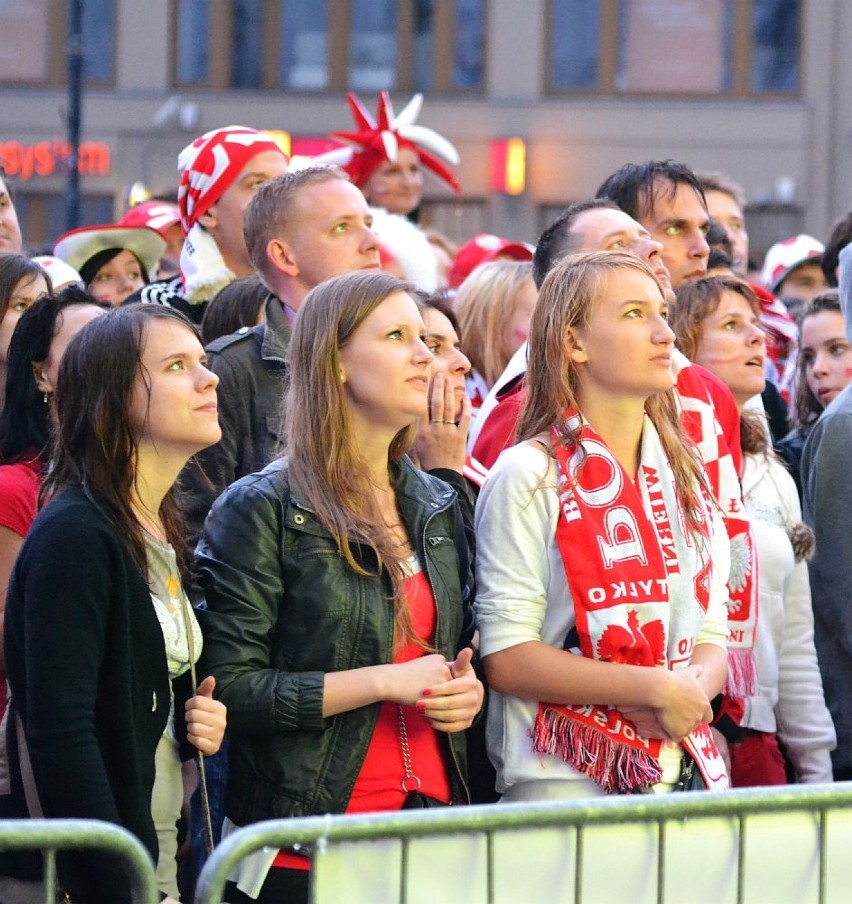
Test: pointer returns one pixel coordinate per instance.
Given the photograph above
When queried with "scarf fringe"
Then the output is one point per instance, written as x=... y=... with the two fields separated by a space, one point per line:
x=742 y=674
x=615 y=767
x=203 y=290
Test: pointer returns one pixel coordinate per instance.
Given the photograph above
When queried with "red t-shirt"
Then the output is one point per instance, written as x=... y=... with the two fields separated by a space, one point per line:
x=19 y=486
x=379 y=783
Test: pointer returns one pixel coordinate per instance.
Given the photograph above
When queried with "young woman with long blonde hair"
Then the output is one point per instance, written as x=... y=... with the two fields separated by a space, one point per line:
x=336 y=579
x=601 y=561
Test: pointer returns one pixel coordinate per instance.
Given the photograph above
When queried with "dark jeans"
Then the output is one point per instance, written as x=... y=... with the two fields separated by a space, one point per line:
x=216 y=770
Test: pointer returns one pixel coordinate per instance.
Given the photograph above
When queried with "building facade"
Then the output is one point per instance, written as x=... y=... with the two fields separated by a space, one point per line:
x=752 y=88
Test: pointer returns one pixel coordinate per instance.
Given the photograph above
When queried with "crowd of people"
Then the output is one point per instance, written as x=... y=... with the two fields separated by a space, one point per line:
x=305 y=509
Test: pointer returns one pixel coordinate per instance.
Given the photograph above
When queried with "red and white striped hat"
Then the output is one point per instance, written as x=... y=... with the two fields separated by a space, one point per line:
x=211 y=163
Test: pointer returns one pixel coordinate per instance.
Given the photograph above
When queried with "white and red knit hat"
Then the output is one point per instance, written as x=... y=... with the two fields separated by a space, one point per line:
x=209 y=166
x=783 y=257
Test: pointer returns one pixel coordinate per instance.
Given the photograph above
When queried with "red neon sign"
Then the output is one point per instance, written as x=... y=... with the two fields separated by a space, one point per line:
x=47 y=158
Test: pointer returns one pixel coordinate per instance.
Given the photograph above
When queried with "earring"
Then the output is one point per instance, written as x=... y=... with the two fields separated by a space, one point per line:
x=46 y=398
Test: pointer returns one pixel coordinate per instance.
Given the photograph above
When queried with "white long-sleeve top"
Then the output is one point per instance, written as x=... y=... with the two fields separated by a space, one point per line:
x=790 y=698
x=523 y=595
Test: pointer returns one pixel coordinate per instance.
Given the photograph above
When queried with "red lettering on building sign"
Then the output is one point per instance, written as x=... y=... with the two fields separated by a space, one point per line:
x=48 y=158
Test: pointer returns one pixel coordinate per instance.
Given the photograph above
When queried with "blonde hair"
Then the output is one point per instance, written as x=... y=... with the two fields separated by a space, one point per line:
x=322 y=460
x=566 y=300
x=485 y=304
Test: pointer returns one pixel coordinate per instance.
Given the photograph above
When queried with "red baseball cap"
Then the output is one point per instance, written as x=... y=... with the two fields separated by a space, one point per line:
x=482 y=249
x=157 y=215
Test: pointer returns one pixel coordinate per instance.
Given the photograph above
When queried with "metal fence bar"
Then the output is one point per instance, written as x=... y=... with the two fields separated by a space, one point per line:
x=50 y=879
x=578 y=864
x=823 y=857
x=492 y=818
x=52 y=835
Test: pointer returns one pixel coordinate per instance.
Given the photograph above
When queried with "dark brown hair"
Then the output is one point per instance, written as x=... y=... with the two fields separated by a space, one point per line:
x=808 y=407
x=95 y=444
x=239 y=304
x=13 y=269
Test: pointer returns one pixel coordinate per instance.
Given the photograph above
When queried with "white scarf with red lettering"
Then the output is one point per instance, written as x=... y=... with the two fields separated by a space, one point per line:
x=640 y=583
x=701 y=423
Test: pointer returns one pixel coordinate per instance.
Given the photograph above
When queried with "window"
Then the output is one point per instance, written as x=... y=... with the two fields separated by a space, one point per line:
x=303 y=45
x=574 y=57
x=331 y=45
x=674 y=47
x=193 y=41
x=775 y=32
x=98 y=40
x=24 y=52
x=469 y=44
x=372 y=45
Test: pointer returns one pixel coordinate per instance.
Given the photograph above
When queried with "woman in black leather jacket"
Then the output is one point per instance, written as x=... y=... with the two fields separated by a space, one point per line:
x=336 y=582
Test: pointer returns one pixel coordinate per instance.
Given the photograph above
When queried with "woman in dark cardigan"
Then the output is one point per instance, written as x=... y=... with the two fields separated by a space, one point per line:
x=100 y=639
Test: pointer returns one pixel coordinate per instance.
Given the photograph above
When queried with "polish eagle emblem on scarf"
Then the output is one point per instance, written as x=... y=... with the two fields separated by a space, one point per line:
x=634 y=645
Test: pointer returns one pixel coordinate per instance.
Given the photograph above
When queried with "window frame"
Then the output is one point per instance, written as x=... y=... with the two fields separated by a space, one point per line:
x=608 y=50
x=443 y=49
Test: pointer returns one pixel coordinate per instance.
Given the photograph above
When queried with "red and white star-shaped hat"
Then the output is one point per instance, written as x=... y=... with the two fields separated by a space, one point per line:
x=378 y=141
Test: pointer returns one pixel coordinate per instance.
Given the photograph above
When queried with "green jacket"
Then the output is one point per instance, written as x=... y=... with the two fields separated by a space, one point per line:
x=285 y=608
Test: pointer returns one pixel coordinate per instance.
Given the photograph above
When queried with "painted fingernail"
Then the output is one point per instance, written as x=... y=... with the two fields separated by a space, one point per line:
x=427 y=692
x=421 y=707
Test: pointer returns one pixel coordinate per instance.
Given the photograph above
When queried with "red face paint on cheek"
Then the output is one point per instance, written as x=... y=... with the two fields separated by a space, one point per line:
x=715 y=360
x=848 y=373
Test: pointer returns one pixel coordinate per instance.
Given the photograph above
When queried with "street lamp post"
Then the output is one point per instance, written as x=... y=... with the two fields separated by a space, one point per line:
x=74 y=54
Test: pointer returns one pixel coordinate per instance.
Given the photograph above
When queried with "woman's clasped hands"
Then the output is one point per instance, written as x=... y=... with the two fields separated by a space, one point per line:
x=447 y=694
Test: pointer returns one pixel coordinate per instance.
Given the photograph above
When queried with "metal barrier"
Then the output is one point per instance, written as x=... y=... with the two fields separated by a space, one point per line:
x=761 y=844
x=51 y=835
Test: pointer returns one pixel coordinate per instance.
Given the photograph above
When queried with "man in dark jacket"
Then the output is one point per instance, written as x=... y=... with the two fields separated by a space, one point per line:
x=827 y=498
x=300 y=229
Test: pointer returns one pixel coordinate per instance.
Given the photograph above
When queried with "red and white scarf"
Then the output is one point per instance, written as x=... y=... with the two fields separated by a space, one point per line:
x=640 y=583
x=700 y=421
x=475 y=471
